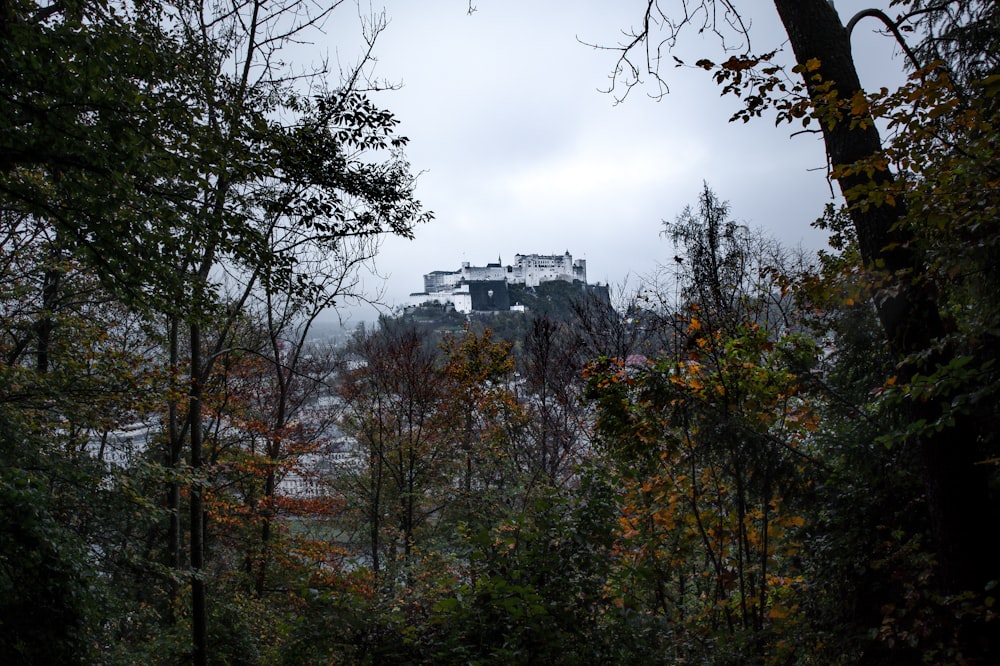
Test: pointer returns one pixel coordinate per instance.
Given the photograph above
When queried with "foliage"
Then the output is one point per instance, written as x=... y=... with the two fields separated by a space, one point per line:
x=534 y=588
x=47 y=610
x=712 y=441
x=485 y=422
x=159 y=168
x=917 y=260
x=554 y=299
x=754 y=460
x=557 y=420
x=393 y=394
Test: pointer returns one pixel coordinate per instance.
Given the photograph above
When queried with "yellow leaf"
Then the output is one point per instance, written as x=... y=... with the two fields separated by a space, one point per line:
x=812 y=64
x=859 y=105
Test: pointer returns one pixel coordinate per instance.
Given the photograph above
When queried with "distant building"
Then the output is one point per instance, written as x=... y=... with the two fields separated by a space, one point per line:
x=440 y=281
x=533 y=269
x=484 y=288
x=528 y=269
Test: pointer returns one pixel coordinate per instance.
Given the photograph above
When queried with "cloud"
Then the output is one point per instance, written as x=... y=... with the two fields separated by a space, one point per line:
x=599 y=175
x=523 y=154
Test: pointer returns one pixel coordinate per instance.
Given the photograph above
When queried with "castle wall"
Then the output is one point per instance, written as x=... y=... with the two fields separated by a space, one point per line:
x=528 y=269
x=438 y=281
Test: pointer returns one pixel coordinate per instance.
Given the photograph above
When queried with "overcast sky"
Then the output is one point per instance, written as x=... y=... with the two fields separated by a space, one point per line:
x=521 y=152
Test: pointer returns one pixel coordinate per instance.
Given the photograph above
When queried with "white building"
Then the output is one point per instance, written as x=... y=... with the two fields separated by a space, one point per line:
x=528 y=269
x=533 y=269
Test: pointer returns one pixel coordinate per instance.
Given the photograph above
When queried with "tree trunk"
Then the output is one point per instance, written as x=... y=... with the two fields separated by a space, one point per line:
x=270 y=483
x=910 y=319
x=375 y=517
x=199 y=616
x=956 y=487
x=273 y=451
x=50 y=301
x=173 y=458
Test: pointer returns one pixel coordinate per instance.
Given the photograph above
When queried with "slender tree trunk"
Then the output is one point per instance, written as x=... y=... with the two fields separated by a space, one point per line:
x=260 y=583
x=199 y=616
x=375 y=499
x=45 y=324
x=764 y=545
x=375 y=519
x=273 y=450
x=409 y=501
x=742 y=542
x=956 y=487
x=173 y=457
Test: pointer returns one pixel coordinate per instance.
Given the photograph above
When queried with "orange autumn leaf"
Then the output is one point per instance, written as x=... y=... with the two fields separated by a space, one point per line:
x=778 y=612
x=795 y=521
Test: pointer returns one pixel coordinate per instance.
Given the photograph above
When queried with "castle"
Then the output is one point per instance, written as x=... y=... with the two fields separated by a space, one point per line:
x=484 y=288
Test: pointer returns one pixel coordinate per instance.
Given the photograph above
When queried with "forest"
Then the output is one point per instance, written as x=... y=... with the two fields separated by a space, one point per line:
x=760 y=456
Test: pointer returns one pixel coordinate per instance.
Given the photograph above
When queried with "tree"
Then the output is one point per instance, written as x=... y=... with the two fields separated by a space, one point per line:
x=710 y=438
x=73 y=517
x=172 y=154
x=392 y=401
x=44 y=614
x=485 y=422
x=956 y=485
x=961 y=34
x=318 y=184
x=612 y=329
x=533 y=589
x=74 y=79
x=909 y=310
x=551 y=368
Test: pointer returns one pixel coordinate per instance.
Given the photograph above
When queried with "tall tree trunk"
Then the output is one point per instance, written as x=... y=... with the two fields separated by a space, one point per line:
x=375 y=512
x=273 y=449
x=956 y=487
x=199 y=616
x=173 y=457
x=270 y=483
x=46 y=324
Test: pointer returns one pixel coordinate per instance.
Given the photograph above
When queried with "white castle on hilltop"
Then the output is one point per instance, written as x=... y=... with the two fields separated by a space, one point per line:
x=528 y=269
x=485 y=287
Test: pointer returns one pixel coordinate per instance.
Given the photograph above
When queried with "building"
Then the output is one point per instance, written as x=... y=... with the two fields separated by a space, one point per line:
x=533 y=269
x=528 y=269
x=484 y=288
